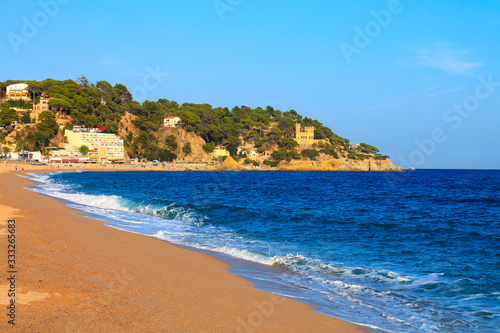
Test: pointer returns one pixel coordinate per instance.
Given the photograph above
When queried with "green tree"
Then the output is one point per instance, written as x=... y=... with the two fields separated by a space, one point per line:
x=209 y=147
x=83 y=81
x=287 y=143
x=171 y=142
x=310 y=154
x=318 y=134
x=187 y=148
x=367 y=149
x=60 y=103
x=103 y=111
x=272 y=164
x=26 y=119
x=84 y=150
x=233 y=151
x=8 y=116
x=279 y=155
x=47 y=128
x=166 y=155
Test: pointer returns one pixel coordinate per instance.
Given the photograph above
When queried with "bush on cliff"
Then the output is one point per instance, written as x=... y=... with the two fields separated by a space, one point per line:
x=272 y=164
x=330 y=150
x=209 y=147
x=171 y=142
x=310 y=154
x=287 y=143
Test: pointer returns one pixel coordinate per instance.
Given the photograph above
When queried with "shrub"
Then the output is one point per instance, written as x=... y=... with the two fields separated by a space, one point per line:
x=330 y=151
x=294 y=154
x=187 y=148
x=171 y=142
x=272 y=164
x=381 y=157
x=287 y=143
x=279 y=155
x=247 y=161
x=26 y=118
x=209 y=147
x=166 y=155
x=233 y=151
x=352 y=155
x=310 y=154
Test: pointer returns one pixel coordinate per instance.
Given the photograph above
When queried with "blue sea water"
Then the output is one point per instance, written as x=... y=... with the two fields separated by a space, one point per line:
x=404 y=252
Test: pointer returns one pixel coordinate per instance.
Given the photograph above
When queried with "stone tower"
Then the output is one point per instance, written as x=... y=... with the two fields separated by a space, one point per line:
x=304 y=135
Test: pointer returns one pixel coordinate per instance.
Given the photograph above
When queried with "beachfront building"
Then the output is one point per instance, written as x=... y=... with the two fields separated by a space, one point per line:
x=109 y=146
x=65 y=152
x=220 y=152
x=18 y=91
x=171 y=121
x=33 y=156
x=62 y=116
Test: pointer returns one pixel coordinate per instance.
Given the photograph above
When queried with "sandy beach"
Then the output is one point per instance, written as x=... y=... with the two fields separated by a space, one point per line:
x=75 y=274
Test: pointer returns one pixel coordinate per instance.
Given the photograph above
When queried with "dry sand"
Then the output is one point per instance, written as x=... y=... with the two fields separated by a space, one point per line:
x=75 y=274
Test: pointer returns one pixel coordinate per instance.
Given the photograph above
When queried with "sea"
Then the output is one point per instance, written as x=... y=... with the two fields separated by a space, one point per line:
x=414 y=251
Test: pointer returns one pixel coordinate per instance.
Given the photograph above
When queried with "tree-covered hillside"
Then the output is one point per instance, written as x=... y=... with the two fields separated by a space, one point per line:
x=101 y=103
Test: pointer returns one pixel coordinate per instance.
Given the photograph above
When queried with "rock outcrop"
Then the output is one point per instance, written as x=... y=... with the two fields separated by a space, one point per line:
x=230 y=164
x=182 y=137
x=339 y=165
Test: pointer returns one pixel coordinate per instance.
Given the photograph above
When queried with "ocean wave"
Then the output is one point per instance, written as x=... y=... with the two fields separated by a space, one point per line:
x=47 y=186
x=366 y=290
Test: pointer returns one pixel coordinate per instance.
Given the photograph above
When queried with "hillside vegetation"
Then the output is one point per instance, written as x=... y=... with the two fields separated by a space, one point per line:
x=203 y=127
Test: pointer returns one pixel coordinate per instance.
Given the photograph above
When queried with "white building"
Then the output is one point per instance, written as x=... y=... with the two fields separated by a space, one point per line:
x=18 y=91
x=109 y=146
x=30 y=156
x=248 y=151
x=354 y=146
x=171 y=121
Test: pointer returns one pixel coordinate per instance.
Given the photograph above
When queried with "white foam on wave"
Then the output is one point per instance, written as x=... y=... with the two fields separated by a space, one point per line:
x=245 y=254
x=171 y=212
x=110 y=202
x=100 y=201
x=232 y=251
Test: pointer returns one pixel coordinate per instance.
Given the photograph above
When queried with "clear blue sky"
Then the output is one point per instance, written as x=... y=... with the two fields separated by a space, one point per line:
x=392 y=88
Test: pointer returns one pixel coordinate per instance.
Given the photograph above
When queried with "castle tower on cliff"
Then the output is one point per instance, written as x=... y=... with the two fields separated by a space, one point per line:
x=304 y=135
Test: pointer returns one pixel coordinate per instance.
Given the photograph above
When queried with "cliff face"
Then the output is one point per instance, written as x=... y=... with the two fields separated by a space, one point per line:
x=339 y=165
x=126 y=125
x=182 y=137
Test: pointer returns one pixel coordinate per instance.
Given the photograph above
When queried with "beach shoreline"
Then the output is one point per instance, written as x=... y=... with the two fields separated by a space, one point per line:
x=76 y=274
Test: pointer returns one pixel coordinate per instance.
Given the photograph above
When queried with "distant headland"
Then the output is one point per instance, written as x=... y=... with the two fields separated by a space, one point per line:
x=81 y=122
